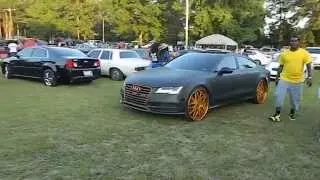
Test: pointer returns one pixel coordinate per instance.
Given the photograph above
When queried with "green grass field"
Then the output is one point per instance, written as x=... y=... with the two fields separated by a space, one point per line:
x=82 y=132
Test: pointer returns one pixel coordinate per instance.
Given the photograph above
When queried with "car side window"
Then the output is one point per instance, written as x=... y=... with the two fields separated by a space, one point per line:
x=128 y=54
x=245 y=63
x=106 y=55
x=27 y=52
x=39 y=53
x=94 y=54
x=227 y=62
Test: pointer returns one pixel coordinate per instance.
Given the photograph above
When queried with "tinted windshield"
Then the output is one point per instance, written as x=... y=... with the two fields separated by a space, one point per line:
x=314 y=50
x=64 y=52
x=196 y=61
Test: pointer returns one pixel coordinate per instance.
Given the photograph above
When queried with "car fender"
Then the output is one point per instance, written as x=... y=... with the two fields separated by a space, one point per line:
x=263 y=77
x=187 y=90
x=118 y=64
x=52 y=67
x=49 y=65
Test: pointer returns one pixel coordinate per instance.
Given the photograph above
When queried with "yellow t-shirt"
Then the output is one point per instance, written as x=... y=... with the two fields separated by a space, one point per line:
x=293 y=65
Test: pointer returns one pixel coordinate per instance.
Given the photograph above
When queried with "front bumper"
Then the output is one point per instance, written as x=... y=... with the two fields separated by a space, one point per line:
x=74 y=75
x=155 y=103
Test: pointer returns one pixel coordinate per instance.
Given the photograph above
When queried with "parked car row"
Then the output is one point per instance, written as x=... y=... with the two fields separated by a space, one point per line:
x=190 y=84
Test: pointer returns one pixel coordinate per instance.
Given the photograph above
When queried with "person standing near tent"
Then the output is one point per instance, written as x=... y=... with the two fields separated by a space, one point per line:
x=290 y=78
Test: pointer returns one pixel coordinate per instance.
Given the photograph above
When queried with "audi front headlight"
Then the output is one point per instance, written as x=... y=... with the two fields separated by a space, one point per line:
x=169 y=90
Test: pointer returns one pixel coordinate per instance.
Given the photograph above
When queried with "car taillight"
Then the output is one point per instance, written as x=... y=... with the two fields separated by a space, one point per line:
x=71 y=64
x=97 y=63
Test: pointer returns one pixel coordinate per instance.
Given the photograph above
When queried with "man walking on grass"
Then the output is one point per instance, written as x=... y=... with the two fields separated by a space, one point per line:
x=291 y=73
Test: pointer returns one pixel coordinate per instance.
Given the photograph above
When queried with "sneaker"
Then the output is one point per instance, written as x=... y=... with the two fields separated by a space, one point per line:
x=292 y=117
x=275 y=118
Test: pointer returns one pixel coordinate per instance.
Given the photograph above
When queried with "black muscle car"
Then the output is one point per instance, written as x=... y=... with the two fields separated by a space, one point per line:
x=52 y=65
x=195 y=82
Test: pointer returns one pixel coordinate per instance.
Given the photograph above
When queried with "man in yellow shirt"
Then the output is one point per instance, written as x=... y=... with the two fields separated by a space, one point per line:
x=291 y=72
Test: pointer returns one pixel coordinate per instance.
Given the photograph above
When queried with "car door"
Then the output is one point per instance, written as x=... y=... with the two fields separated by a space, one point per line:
x=105 y=61
x=19 y=65
x=224 y=86
x=34 y=64
x=248 y=74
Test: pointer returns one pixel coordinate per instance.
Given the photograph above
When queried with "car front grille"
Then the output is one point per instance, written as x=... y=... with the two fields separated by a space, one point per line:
x=137 y=94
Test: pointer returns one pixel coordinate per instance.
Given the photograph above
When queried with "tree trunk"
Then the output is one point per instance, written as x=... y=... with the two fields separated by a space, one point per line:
x=141 y=38
x=10 y=24
x=1 y=25
x=6 y=27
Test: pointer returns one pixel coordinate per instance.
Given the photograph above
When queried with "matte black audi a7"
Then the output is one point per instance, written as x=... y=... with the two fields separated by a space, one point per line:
x=195 y=82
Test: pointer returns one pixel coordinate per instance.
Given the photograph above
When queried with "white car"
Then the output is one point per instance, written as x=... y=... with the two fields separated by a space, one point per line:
x=315 y=54
x=258 y=57
x=269 y=51
x=119 y=63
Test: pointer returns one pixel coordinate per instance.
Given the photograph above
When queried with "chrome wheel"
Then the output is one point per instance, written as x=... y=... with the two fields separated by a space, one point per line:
x=6 y=72
x=49 y=78
x=116 y=75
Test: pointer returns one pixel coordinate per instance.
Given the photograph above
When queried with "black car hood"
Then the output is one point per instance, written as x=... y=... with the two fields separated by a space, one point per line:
x=163 y=76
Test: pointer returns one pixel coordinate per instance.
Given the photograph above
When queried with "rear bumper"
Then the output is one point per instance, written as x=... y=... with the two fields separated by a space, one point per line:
x=157 y=104
x=73 y=75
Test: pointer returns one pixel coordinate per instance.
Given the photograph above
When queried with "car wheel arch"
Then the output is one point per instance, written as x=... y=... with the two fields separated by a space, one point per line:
x=258 y=61
x=116 y=68
x=210 y=93
x=112 y=68
x=52 y=67
x=49 y=66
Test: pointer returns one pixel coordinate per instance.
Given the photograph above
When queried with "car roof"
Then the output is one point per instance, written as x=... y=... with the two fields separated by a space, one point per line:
x=313 y=47
x=117 y=50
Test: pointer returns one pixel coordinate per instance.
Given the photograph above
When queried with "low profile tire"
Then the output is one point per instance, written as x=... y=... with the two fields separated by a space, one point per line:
x=261 y=95
x=49 y=78
x=116 y=75
x=6 y=72
x=197 y=105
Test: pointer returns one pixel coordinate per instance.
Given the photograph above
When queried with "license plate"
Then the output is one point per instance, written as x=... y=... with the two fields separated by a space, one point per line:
x=87 y=73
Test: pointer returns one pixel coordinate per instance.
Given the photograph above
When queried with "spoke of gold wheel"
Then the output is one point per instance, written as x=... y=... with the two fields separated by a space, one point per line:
x=198 y=104
x=261 y=92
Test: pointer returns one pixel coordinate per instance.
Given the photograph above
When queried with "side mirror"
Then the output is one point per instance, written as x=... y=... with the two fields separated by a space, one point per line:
x=225 y=70
x=18 y=55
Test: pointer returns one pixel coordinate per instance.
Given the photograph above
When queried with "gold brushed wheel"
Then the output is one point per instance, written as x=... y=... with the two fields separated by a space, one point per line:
x=198 y=104
x=261 y=92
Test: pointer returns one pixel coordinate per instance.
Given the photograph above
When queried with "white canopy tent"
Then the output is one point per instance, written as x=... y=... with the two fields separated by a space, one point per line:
x=217 y=41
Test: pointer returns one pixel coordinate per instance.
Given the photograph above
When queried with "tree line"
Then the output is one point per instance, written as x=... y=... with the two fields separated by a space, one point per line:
x=162 y=20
